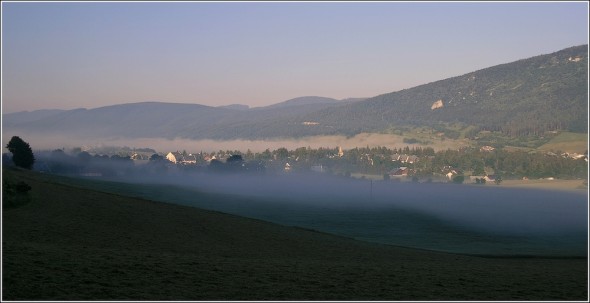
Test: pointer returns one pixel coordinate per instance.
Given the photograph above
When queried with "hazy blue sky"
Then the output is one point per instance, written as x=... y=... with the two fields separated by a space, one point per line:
x=71 y=55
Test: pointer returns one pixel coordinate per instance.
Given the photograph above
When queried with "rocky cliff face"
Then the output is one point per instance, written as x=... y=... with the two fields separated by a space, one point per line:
x=437 y=104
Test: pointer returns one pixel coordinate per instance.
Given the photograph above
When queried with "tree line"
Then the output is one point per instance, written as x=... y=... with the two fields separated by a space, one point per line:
x=379 y=160
x=425 y=164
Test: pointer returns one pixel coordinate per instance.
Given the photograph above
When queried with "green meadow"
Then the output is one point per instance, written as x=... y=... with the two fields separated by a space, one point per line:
x=567 y=142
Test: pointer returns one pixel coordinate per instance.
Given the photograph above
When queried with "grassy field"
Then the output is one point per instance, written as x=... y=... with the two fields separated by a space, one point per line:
x=70 y=243
x=569 y=185
x=567 y=142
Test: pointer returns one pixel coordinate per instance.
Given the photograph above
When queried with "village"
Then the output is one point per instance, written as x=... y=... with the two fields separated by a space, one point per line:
x=481 y=165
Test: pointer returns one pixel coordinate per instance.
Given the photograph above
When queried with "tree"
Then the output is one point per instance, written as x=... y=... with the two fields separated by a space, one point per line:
x=478 y=169
x=498 y=180
x=156 y=157
x=22 y=155
x=235 y=160
x=266 y=155
x=84 y=157
x=458 y=179
x=216 y=165
x=249 y=155
x=282 y=153
x=234 y=163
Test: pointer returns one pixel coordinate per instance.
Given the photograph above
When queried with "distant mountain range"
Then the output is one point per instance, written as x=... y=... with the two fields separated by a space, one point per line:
x=308 y=100
x=529 y=96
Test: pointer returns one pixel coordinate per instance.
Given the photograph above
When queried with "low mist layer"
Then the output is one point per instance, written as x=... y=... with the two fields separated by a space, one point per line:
x=166 y=145
x=477 y=219
x=488 y=208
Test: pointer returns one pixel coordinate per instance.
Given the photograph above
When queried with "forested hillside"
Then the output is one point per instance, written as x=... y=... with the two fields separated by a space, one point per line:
x=526 y=97
x=529 y=96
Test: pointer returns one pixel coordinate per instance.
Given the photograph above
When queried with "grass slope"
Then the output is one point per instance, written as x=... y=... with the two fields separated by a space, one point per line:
x=567 y=142
x=70 y=243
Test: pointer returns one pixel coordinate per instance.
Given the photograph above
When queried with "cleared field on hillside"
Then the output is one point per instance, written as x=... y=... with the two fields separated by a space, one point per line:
x=568 y=185
x=567 y=142
x=71 y=243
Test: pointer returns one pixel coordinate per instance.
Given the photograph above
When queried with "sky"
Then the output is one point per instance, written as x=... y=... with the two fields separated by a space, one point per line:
x=63 y=55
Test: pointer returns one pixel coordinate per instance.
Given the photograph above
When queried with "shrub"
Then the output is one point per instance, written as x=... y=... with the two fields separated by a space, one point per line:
x=15 y=195
x=22 y=187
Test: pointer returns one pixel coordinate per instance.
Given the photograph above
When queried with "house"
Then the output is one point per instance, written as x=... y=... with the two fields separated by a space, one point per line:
x=179 y=158
x=451 y=174
x=574 y=156
x=190 y=159
x=399 y=172
x=174 y=157
x=404 y=158
x=368 y=157
x=486 y=148
x=138 y=156
x=287 y=167
x=410 y=159
x=208 y=158
x=475 y=179
x=488 y=178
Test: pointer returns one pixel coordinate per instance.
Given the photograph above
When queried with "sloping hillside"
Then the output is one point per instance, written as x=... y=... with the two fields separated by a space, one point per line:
x=303 y=101
x=72 y=243
x=529 y=96
x=533 y=95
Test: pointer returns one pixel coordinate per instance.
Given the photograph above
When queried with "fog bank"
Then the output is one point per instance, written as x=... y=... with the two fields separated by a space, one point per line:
x=163 y=145
x=485 y=219
x=487 y=208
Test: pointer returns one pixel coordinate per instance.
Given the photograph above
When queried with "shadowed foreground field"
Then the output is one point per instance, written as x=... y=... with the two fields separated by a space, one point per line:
x=70 y=243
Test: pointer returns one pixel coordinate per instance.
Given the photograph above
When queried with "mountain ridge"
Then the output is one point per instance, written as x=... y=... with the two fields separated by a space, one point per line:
x=527 y=96
x=463 y=99
x=305 y=100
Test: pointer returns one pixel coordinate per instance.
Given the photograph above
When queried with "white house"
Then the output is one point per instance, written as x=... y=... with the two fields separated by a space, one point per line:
x=179 y=158
x=404 y=158
x=398 y=172
x=174 y=157
x=488 y=178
